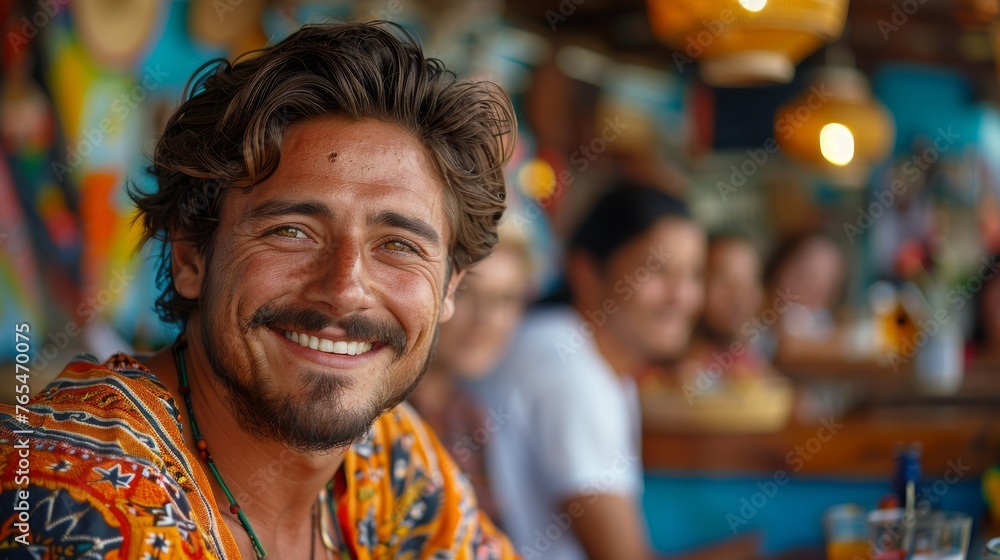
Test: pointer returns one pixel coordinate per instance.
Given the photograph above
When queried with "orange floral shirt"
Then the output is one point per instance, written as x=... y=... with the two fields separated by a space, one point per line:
x=99 y=470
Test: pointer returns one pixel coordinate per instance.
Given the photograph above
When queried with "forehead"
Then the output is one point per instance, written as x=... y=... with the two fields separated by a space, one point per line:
x=677 y=242
x=365 y=165
x=503 y=267
x=681 y=237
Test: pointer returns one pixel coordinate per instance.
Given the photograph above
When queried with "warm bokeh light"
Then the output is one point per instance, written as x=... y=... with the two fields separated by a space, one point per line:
x=537 y=178
x=753 y=5
x=836 y=144
x=758 y=43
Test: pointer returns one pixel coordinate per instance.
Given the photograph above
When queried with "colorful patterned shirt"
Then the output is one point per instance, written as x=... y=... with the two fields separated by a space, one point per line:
x=100 y=471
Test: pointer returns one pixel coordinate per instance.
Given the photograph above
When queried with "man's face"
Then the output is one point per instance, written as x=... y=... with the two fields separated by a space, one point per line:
x=656 y=280
x=488 y=308
x=325 y=283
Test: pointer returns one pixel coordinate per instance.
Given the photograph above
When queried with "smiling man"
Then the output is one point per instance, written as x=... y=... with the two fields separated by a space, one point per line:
x=320 y=203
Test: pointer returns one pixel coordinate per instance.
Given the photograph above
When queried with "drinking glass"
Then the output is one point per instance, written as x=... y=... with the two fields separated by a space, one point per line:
x=941 y=535
x=846 y=532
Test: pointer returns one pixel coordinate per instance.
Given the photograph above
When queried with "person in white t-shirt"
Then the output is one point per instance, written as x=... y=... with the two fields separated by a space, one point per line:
x=565 y=460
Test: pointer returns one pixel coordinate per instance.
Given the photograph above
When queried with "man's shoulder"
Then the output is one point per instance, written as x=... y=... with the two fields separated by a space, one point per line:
x=410 y=496
x=94 y=462
x=398 y=437
x=88 y=393
x=117 y=410
x=121 y=373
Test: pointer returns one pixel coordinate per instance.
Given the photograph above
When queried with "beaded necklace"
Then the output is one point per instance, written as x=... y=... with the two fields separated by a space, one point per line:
x=185 y=390
x=325 y=505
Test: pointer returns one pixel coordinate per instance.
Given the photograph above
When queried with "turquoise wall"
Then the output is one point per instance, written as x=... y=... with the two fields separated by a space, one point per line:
x=685 y=511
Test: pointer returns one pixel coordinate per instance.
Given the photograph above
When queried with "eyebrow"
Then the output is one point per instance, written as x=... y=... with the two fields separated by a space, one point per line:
x=278 y=208
x=415 y=226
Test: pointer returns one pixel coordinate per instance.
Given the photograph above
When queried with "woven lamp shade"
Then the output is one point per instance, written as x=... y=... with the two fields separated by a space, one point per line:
x=840 y=97
x=746 y=42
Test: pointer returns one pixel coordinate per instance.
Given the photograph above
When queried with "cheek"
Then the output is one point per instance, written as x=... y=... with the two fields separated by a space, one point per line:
x=694 y=297
x=654 y=292
x=261 y=279
x=411 y=296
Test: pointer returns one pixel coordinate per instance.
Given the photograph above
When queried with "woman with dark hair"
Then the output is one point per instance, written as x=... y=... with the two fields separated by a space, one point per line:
x=734 y=296
x=808 y=272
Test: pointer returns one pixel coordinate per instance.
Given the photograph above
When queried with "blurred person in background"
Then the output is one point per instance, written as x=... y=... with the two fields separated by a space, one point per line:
x=984 y=347
x=566 y=460
x=734 y=296
x=809 y=271
x=489 y=304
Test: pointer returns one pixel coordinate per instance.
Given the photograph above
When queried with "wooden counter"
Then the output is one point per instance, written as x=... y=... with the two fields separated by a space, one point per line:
x=952 y=436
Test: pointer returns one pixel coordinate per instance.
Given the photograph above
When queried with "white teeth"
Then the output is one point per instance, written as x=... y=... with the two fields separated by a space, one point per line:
x=352 y=348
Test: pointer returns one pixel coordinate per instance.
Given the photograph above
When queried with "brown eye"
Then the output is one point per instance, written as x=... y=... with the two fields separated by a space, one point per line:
x=400 y=246
x=288 y=231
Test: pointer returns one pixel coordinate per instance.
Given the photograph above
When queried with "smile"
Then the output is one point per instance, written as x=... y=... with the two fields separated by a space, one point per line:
x=350 y=348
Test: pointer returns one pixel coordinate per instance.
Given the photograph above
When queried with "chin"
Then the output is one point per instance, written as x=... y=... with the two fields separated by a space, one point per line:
x=473 y=369
x=670 y=344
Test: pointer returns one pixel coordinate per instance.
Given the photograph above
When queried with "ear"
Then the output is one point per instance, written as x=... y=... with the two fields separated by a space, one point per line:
x=448 y=305
x=188 y=268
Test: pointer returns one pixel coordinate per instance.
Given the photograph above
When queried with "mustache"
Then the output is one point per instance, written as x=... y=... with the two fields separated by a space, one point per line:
x=389 y=333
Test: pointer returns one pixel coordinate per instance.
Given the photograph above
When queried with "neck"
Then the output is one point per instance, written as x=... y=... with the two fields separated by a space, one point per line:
x=717 y=338
x=275 y=486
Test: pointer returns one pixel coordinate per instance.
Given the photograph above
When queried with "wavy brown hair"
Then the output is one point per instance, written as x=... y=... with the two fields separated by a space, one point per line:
x=228 y=132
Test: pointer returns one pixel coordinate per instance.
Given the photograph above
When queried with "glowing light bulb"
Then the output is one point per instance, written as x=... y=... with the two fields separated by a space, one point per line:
x=753 y=5
x=836 y=143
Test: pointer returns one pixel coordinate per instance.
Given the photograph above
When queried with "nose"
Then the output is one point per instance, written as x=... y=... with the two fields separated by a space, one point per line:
x=340 y=279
